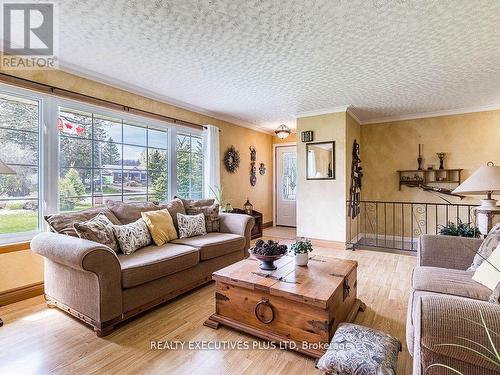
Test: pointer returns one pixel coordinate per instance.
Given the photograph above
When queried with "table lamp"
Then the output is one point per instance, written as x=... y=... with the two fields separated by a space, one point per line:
x=5 y=169
x=484 y=181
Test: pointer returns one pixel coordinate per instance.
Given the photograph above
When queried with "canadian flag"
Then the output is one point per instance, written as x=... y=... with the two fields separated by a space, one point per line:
x=69 y=128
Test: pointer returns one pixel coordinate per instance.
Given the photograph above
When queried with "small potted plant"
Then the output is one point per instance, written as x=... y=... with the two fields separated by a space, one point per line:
x=301 y=250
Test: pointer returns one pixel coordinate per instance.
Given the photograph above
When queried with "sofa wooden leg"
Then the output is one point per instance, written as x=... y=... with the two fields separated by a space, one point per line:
x=101 y=332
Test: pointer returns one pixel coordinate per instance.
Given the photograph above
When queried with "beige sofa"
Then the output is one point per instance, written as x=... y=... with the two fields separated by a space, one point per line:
x=101 y=288
x=444 y=305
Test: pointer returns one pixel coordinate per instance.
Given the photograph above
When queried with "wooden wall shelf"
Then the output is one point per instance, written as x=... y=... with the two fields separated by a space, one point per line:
x=416 y=177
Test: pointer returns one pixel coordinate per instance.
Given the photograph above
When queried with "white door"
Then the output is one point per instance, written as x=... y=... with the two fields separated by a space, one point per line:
x=286 y=186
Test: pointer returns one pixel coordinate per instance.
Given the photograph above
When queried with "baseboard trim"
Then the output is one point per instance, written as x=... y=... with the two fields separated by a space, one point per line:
x=269 y=224
x=337 y=245
x=21 y=293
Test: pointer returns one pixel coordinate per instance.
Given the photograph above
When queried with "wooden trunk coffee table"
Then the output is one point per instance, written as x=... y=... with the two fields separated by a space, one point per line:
x=298 y=306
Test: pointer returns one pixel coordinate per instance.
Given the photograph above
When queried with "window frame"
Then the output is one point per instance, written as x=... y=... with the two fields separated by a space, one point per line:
x=8 y=238
x=49 y=153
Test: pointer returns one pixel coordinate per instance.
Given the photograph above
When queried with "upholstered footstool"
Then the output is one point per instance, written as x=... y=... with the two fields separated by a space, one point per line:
x=358 y=350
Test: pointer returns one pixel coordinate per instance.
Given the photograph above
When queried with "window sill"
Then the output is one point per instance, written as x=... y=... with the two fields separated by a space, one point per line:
x=16 y=242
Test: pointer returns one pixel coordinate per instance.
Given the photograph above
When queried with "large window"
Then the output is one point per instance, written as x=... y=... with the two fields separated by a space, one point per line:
x=19 y=149
x=189 y=166
x=104 y=158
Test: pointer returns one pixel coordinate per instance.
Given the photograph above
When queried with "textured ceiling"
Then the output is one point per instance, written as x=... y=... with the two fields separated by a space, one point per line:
x=265 y=61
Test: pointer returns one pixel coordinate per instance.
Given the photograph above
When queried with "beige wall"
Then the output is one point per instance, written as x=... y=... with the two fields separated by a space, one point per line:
x=236 y=186
x=321 y=203
x=469 y=140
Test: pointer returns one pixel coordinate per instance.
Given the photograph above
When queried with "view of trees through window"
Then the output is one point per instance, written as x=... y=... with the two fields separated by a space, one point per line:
x=19 y=149
x=189 y=166
x=105 y=158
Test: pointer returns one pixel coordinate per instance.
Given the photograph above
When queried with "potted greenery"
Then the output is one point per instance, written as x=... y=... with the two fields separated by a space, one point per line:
x=461 y=229
x=301 y=250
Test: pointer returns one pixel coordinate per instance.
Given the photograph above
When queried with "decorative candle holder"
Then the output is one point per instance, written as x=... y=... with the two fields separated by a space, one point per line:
x=441 y=156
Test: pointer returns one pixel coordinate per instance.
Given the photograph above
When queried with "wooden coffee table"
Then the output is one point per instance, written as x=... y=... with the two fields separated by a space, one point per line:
x=298 y=306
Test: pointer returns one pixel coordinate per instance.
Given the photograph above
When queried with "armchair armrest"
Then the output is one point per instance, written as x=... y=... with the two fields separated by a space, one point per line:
x=237 y=224
x=448 y=321
x=447 y=251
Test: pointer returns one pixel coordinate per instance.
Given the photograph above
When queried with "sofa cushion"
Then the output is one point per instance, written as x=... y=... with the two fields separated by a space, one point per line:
x=129 y=212
x=489 y=244
x=152 y=262
x=63 y=223
x=174 y=207
x=100 y=230
x=197 y=202
x=160 y=226
x=213 y=245
x=449 y=281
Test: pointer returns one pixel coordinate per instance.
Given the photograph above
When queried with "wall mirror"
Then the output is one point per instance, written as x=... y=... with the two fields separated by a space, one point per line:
x=320 y=161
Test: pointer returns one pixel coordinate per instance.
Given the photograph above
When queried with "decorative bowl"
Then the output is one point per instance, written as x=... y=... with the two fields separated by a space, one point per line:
x=267 y=261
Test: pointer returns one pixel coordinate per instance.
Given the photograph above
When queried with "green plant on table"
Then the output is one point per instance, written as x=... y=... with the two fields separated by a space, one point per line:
x=459 y=230
x=302 y=246
x=217 y=192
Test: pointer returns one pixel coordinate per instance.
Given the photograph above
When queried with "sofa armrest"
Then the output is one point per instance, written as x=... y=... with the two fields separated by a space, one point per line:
x=76 y=253
x=448 y=321
x=237 y=224
x=70 y=259
x=447 y=251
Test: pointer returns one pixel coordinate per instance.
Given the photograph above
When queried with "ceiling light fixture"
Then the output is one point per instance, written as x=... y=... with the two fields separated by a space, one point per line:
x=283 y=131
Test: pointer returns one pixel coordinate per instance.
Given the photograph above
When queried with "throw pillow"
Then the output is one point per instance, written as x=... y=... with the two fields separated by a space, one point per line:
x=191 y=225
x=495 y=296
x=129 y=212
x=490 y=243
x=488 y=273
x=197 y=202
x=63 y=223
x=211 y=214
x=160 y=225
x=132 y=236
x=173 y=207
x=99 y=229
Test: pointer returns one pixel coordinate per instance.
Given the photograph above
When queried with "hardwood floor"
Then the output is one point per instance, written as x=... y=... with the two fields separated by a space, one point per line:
x=39 y=340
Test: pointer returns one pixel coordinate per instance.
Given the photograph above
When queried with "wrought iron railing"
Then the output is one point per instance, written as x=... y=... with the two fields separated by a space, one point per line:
x=398 y=225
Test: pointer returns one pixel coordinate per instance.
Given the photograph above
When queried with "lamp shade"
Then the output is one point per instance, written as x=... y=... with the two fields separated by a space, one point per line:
x=5 y=169
x=483 y=181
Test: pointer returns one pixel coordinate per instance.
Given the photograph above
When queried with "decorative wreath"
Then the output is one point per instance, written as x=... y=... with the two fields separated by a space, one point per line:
x=231 y=159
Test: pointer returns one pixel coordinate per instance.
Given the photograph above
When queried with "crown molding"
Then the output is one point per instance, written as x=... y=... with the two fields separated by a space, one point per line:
x=323 y=111
x=134 y=89
x=416 y=116
x=351 y=110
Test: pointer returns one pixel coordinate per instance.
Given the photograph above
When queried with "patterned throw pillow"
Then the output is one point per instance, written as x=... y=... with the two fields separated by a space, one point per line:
x=356 y=349
x=490 y=243
x=211 y=214
x=99 y=229
x=191 y=225
x=132 y=236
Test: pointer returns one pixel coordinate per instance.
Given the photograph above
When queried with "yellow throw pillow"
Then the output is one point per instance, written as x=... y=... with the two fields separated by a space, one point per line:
x=160 y=226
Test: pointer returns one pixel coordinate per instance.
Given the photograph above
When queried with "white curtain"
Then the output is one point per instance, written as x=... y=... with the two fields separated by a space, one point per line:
x=211 y=160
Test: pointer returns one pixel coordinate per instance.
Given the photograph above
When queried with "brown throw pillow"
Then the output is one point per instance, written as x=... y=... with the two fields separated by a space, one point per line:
x=63 y=223
x=99 y=229
x=130 y=212
x=197 y=202
x=174 y=207
x=211 y=214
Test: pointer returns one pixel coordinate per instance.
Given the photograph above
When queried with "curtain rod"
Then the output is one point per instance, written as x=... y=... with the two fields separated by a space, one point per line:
x=42 y=87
